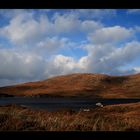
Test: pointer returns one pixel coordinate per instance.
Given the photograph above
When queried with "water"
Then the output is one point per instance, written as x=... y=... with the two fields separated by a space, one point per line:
x=53 y=104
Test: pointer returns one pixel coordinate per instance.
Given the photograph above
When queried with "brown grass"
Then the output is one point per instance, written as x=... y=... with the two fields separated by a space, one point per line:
x=79 y=85
x=109 y=118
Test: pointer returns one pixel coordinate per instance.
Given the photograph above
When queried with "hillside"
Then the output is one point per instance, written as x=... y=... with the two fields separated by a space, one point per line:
x=79 y=85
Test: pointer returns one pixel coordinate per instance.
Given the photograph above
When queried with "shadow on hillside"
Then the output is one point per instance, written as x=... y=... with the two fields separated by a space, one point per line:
x=114 y=80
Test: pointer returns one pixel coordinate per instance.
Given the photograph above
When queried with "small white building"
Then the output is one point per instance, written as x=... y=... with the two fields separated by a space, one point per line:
x=99 y=104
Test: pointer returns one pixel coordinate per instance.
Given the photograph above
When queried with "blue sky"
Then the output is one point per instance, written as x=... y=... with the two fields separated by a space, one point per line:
x=36 y=44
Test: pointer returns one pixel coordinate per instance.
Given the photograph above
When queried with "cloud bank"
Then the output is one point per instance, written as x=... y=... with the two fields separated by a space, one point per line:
x=37 y=44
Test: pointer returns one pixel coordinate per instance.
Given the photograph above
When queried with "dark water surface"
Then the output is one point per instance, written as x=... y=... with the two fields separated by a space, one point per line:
x=53 y=104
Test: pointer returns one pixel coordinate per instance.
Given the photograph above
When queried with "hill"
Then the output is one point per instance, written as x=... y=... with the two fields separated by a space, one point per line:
x=79 y=85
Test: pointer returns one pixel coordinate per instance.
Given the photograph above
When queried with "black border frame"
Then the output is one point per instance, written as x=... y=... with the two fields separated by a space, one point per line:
x=71 y=135
x=69 y=4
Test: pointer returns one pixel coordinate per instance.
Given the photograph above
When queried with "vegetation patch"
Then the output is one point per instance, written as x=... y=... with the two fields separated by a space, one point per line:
x=108 y=118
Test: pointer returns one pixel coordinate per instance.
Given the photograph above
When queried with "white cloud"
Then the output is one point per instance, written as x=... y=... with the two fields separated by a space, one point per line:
x=90 y=25
x=64 y=64
x=95 y=13
x=24 y=29
x=100 y=59
x=83 y=64
x=65 y=23
x=11 y=13
x=137 y=29
x=16 y=65
x=110 y=34
x=108 y=59
x=61 y=64
x=52 y=45
x=128 y=53
x=137 y=69
x=50 y=38
x=71 y=23
x=133 y=11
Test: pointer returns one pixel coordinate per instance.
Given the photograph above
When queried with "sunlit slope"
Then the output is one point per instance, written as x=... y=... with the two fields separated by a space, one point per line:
x=80 y=85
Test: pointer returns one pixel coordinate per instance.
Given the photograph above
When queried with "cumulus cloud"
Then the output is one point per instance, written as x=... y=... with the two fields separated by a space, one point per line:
x=52 y=45
x=110 y=34
x=125 y=54
x=90 y=25
x=65 y=23
x=136 y=69
x=64 y=64
x=95 y=13
x=61 y=64
x=109 y=59
x=71 y=23
x=100 y=59
x=40 y=45
x=133 y=11
x=23 y=29
x=16 y=65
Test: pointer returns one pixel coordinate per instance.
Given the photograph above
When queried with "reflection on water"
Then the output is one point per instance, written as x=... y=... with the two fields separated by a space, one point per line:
x=52 y=104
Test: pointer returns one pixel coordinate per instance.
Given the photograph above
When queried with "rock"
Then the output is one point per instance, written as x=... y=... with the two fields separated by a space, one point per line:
x=86 y=110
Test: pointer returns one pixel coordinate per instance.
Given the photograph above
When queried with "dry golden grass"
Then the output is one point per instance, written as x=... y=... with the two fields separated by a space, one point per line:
x=109 y=118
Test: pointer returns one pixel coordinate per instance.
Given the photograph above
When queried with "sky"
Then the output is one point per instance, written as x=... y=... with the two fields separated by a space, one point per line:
x=36 y=44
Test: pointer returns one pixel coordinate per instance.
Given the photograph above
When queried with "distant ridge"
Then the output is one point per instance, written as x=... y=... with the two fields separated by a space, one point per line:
x=79 y=85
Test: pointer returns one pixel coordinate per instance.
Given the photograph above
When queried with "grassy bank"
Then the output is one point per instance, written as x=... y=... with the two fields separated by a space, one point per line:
x=109 y=118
